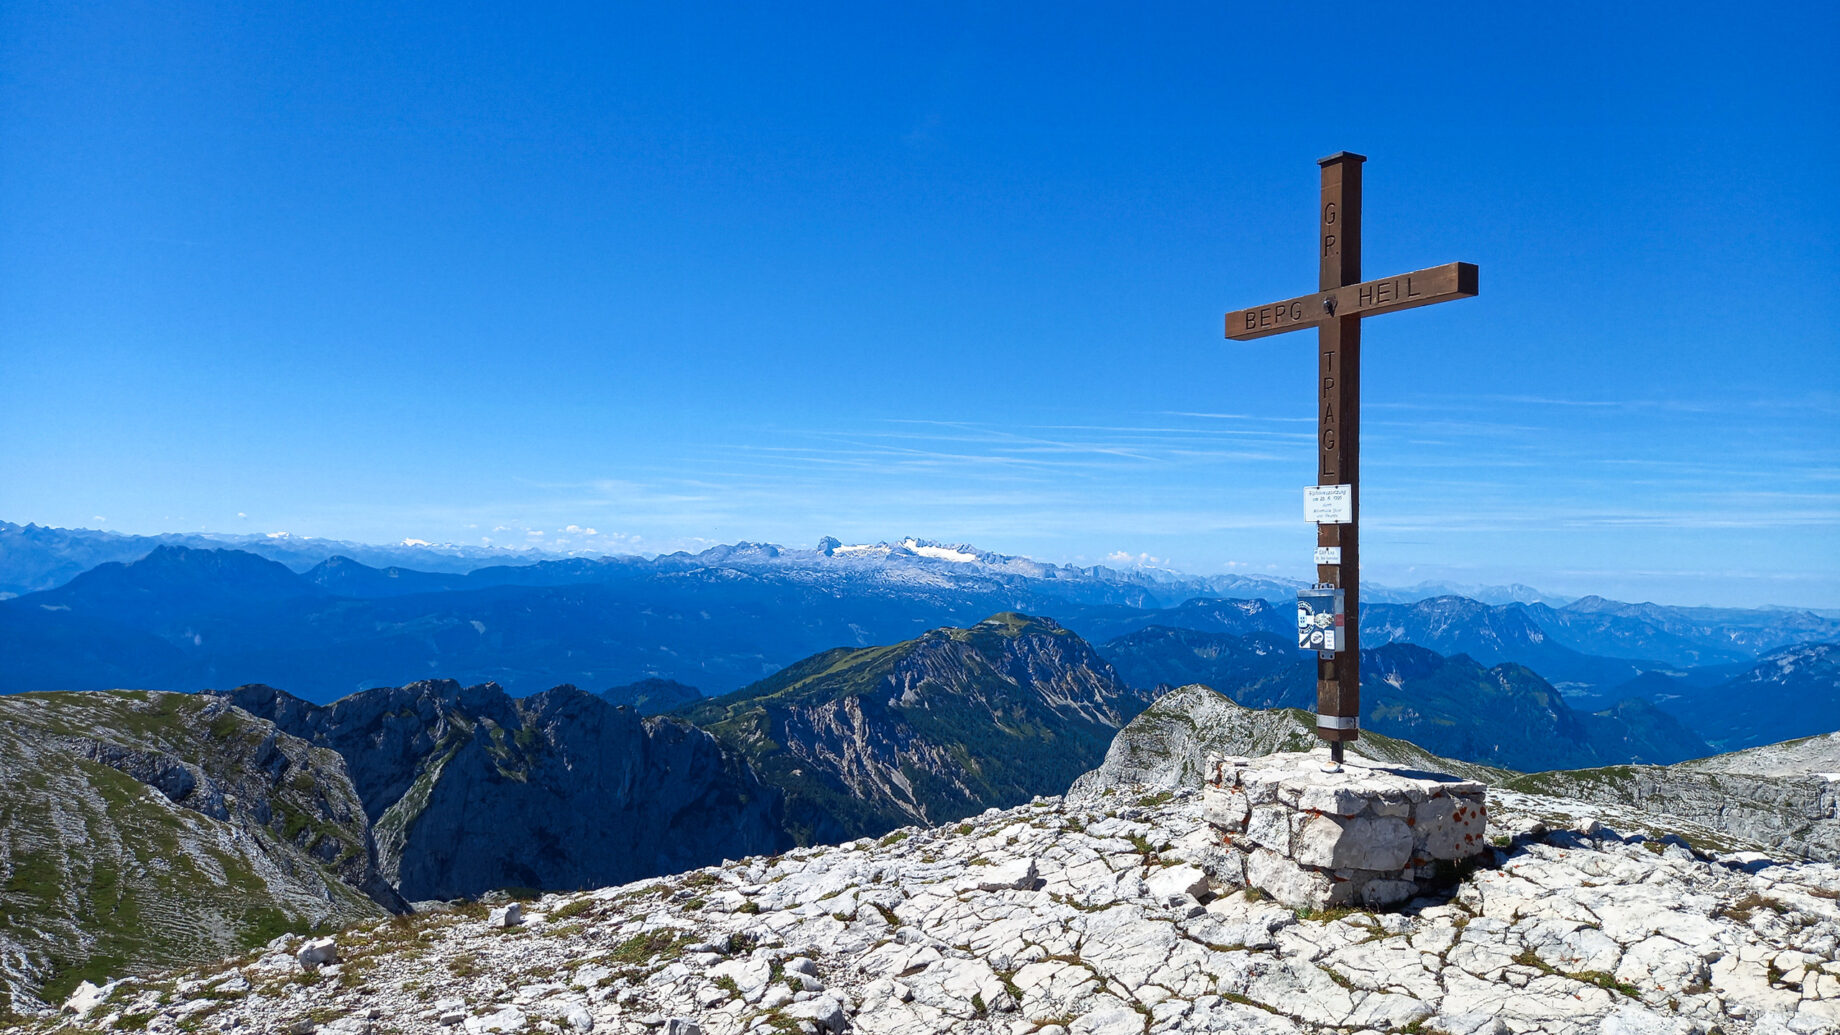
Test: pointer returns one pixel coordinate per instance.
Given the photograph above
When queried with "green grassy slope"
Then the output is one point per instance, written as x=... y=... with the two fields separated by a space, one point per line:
x=929 y=730
x=140 y=830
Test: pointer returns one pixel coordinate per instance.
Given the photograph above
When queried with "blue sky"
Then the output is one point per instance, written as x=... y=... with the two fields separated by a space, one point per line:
x=684 y=275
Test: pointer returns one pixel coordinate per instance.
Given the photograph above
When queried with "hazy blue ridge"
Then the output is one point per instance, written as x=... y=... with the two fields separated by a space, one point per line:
x=1162 y=656
x=1506 y=715
x=652 y=696
x=35 y=557
x=722 y=619
x=1789 y=693
x=175 y=624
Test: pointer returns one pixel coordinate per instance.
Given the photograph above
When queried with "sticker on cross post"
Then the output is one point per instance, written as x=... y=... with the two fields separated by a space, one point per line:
x=1322 y=617
x=1337 y=722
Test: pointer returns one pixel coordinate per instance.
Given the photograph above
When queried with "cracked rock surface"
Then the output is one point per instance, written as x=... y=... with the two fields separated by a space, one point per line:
x=1064 y=917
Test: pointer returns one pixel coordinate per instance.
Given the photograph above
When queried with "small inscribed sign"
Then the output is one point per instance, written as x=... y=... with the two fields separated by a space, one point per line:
x=1329 y=504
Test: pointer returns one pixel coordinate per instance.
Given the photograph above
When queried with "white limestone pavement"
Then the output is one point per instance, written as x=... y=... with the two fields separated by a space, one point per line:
x=1059 y=918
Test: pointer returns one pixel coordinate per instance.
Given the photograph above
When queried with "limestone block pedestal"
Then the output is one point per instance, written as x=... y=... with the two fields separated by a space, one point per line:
x=1369 y=835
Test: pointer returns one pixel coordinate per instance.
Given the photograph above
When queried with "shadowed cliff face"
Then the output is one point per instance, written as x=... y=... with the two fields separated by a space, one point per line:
x=469 y=789
x=1780 y=795
x=926 y=731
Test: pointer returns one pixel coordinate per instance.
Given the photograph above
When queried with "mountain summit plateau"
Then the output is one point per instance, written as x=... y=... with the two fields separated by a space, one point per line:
x=1087 y=916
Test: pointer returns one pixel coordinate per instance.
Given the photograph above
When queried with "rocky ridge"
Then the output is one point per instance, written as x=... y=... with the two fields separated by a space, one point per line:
x=1784 y=795
x=469 y=789
x=1168 y=744
x=1780 y=798
x=1063 y=917
x=140 y=826
x=1506 y=715
x=927 y=730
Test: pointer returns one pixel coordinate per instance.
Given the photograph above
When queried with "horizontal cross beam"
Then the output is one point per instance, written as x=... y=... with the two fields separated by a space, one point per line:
x=1368 y=298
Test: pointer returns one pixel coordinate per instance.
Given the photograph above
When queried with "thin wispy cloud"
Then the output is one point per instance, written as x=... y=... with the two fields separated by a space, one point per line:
x=1451 y=492
x=1255 y=418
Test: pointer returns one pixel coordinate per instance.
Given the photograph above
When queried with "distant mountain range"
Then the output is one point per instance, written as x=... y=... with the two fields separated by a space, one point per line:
x=1794 y=691
x=183 y=618
x=1589 y=643
x=36 y=557
x=1449 y=704
x=646 y=631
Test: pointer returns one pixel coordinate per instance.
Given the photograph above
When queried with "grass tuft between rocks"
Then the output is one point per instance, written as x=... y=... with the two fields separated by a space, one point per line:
x=579 y=907
x=1745 y=908
x=649 y=945
x=1603 y=980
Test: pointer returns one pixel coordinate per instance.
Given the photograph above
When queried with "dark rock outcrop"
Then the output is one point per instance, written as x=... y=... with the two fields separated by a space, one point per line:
x=469 y=789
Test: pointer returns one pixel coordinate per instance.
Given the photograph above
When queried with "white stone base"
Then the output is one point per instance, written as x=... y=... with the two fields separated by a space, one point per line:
x=1367 y=835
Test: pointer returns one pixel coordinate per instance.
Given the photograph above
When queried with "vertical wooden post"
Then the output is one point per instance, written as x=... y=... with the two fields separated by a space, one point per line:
x=1338 y=407
x=1341 y=300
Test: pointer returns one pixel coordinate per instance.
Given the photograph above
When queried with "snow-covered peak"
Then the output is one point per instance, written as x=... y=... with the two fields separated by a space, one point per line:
x=957 y=554
x=914 y=547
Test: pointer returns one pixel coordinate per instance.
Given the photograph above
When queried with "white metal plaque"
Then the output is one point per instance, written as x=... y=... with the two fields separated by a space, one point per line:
x=1328 y=555
x=1329 y=504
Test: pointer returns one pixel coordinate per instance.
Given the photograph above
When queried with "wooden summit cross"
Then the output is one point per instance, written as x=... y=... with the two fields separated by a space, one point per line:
x=1336 y=311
